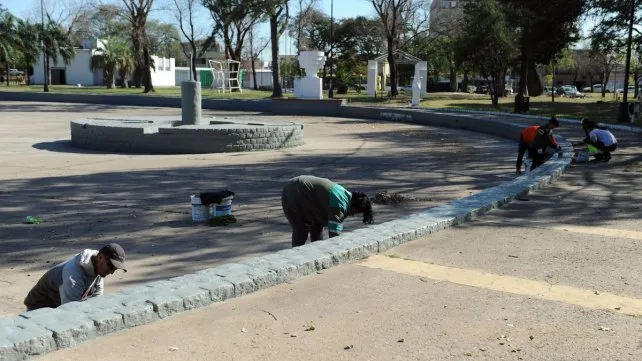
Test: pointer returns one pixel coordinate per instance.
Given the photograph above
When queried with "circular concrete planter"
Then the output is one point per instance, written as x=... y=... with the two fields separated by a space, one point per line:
x=166 y=135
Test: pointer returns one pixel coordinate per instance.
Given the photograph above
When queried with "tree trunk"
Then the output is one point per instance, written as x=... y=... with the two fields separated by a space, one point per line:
x=553 y=85
x=494 y=92
x=27 y=77
x=453 y=78
x=6 y=66
x=464 y=84
x=277 y=92
x=393 y=67
x=606 y=81
x=47 y=73
x=193 y=61
x=256 y=86
x=147 y=72
x=523 y=83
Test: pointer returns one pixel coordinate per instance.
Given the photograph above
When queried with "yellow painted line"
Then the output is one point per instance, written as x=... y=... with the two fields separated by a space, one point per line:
x=599 y=231
x=519 y=286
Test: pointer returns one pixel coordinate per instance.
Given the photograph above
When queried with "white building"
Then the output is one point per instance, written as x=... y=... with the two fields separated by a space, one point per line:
x=78 y=71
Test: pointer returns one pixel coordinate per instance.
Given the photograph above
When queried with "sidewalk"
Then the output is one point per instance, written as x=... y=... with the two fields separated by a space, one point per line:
x=556 y=276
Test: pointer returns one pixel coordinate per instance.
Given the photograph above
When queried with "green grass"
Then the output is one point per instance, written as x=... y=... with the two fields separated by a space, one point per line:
x=605 y=110
x=160 y=91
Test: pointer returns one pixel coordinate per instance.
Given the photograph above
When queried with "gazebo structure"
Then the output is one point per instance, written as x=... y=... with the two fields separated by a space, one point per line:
x=401 y=57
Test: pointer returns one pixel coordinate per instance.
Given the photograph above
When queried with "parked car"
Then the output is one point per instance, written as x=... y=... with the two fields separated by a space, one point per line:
x=482 y=89
x=596 y=88
x=571 y=92
x=471 y=89
x=631 y=90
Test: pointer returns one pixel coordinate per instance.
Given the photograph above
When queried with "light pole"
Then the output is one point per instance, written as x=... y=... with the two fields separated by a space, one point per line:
x=44 y=47
x=331 y=91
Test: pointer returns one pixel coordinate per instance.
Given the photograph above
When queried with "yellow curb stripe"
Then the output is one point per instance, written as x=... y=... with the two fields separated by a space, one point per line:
x=520 y=286
x=599 y=231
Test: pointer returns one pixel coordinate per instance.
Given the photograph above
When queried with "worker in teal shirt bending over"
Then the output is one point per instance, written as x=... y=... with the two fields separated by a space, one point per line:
x=312 y=203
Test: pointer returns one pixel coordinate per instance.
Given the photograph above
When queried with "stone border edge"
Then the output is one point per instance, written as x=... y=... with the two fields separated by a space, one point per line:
x=47 y=330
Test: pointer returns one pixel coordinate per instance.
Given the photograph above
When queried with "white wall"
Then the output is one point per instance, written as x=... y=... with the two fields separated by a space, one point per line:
x=263 y=78
x=76 y=72
x=165 y=73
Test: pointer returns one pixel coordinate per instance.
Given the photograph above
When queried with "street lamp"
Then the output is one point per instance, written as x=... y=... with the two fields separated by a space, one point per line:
x=331 y=91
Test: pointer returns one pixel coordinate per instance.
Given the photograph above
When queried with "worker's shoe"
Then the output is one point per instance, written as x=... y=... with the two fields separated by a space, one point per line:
x=606 y=158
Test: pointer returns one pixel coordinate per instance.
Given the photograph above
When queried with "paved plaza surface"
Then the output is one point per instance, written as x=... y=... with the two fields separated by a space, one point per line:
x=142 y=201
x=554 y=276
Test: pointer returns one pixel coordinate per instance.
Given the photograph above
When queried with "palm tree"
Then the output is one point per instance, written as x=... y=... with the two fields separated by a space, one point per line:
x=110 y=57
x=9 y=41
x=126 y=65
x=28 y=33
x=57 y=45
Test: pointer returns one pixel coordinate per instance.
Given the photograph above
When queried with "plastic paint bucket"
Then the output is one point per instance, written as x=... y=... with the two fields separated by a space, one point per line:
x=200 y=213
x=222 y=209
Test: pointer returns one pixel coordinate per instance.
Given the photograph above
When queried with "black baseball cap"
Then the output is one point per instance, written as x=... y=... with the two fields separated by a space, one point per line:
x=116 y=255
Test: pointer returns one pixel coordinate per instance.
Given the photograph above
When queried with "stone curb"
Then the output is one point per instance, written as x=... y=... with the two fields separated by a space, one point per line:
x=46 y=330
x=628 y=128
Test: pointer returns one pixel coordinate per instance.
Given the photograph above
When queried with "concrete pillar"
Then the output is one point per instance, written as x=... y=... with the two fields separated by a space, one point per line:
x=191 y=103
x=423 y=73
x=372 y=77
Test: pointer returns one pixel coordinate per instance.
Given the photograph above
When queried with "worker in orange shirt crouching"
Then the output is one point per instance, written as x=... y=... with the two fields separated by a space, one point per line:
x=536 y=139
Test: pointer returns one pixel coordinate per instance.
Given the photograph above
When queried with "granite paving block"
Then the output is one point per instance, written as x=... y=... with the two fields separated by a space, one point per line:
x=20 y=338
x=69 y=328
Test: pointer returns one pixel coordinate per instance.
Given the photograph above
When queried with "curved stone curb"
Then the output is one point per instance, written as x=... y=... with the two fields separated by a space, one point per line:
x=628 y=128
x=166 y=135
x=46 y=330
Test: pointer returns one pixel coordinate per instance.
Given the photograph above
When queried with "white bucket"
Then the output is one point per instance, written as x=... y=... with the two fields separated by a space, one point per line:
x=200 y=213
x=222 y=209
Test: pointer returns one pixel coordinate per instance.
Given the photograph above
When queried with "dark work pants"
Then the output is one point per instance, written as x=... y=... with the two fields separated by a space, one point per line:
x=537 y=158
x=523 y=147
x=606 y=150
x=300 y=233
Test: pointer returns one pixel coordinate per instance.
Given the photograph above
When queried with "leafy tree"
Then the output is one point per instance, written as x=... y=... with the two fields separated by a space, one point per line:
x=108 y=57
x=164 y=39
x=136 y=12
x=57 y=45
x=543 y=28
x=316 y=35
x=30 y=46
x=10 y=42
x=487 y=41
x=607 y=56
x=562 y=60
x=233 y=19
x=618 y=26
x=390 y=13
x=278 y=12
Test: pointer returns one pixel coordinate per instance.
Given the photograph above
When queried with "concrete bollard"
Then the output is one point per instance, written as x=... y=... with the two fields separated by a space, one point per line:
x=191 y=102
